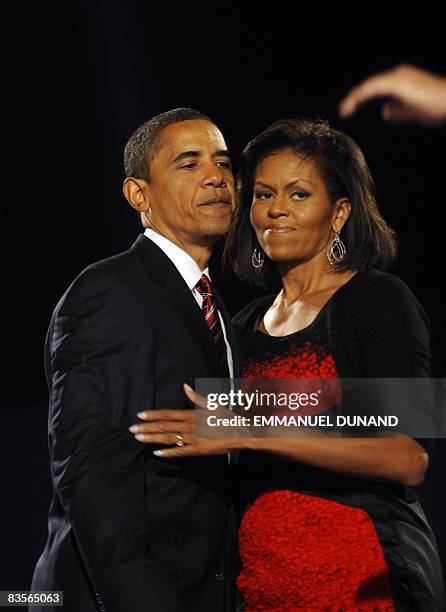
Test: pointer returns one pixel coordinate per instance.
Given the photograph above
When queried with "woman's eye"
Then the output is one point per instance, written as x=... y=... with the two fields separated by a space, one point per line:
x=299 y=195
x=262 y=195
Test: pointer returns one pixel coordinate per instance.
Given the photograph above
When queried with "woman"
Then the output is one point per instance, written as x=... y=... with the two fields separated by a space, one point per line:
x=328 y=522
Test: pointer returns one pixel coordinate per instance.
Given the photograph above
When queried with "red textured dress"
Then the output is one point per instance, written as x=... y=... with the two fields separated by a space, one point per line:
x=303 y=545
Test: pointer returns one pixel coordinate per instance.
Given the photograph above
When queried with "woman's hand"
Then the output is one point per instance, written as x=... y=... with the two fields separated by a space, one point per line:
x=177 y=428
x=359 y=457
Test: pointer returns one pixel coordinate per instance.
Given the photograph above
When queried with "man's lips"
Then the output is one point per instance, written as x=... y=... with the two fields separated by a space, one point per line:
x=222 y=200
x=279 y=229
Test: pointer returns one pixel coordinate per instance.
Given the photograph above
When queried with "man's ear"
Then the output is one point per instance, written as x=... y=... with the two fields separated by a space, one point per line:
x=135 y=193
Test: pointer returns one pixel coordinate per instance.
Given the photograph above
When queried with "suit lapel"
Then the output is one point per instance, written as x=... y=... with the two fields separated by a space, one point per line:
x=231 y=334
x=179 y=296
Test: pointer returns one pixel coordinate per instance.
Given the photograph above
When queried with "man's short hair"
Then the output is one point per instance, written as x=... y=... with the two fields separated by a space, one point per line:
x=145 y=142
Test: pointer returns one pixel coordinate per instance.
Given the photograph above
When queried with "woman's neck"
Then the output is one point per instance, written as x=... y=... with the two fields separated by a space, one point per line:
x=310 y=277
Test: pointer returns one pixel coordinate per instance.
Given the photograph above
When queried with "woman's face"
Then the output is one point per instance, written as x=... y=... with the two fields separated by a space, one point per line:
x=291 y=212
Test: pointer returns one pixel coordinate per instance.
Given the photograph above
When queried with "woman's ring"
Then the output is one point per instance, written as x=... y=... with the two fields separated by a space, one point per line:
x=180 y=441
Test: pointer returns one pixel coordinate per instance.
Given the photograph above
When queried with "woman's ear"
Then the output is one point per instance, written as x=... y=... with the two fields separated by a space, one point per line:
x=341 y=213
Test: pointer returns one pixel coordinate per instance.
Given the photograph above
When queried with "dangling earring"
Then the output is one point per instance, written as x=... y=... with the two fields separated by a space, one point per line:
x=336 y=250
x=258 y=258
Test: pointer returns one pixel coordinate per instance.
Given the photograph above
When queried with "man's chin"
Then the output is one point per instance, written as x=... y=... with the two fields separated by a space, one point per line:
x=212 y=232
x=216 y=222
x=217 y=209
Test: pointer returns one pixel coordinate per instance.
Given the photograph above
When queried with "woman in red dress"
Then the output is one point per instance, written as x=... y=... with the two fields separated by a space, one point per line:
x=327 y=523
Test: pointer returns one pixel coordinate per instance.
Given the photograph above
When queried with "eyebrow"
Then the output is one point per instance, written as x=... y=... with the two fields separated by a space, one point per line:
x=286 y=186
x=185 y=154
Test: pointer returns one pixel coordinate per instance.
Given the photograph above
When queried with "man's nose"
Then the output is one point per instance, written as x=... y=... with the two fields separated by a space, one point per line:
x=214 y=177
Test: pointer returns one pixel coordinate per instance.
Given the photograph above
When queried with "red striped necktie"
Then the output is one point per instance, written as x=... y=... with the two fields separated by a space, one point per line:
x=210 y=311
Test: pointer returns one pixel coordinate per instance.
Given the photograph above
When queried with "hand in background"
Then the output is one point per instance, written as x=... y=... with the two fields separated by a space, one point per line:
x=416 y=95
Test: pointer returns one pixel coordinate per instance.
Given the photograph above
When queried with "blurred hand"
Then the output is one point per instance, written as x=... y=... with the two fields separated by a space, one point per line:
x=416 y=95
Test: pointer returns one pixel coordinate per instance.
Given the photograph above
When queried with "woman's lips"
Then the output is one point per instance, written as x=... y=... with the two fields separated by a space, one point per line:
x=279 y=229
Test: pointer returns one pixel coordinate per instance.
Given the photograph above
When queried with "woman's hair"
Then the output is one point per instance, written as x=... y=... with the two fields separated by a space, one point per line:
x=369 y=241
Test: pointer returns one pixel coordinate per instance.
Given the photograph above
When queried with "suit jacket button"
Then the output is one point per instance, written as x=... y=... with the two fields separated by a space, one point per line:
x=220 y=577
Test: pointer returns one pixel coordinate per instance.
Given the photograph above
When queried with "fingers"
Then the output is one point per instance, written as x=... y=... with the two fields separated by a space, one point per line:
x=188 y=450
x=208 y=447
x=163 y=415
x=156 y=427
x=163 y=426
x=166 y=438
x=379 y=85
x=397 y=112
x=415 y=95
x=196 y=398
x=175 y=415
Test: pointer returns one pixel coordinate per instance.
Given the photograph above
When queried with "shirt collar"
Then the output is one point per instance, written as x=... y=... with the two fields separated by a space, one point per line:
x=184 y=263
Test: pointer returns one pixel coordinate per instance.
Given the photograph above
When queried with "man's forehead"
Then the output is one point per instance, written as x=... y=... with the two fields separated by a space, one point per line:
x=191 y=135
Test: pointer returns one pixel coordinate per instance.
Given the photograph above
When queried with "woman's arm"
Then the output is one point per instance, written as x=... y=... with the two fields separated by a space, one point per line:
x=396 y=459
x=400 y=459
x=392 y=330
x=394 y=343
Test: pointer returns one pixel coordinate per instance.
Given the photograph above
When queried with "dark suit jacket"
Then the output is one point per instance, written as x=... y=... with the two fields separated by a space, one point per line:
x=129 y=532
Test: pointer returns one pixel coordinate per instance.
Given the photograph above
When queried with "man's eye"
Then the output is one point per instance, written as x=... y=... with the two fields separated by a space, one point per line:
x=189 y=165
x=224 y=164
x=262 y=195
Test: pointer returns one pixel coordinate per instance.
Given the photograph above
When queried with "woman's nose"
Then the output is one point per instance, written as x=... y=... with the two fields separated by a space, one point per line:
x=278 y=206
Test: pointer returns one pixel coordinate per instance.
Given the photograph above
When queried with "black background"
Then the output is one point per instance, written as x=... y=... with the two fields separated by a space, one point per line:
x=79 y=77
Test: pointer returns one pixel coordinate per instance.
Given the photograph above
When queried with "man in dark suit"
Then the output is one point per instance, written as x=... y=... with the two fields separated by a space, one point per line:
x=130 y=532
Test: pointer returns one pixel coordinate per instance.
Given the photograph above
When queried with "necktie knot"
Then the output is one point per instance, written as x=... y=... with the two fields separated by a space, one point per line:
x=204 y=286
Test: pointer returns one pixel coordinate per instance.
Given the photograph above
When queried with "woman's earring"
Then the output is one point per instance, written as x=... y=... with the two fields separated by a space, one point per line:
x=258 y=258
x=336 y=250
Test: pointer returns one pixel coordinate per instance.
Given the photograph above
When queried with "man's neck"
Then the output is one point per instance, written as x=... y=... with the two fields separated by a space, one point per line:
x=200 y=253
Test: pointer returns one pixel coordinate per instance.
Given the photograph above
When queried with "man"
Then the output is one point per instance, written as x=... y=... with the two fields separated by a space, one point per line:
x=129 y=532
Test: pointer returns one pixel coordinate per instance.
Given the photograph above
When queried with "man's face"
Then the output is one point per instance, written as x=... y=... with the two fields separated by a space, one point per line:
x=191 y=187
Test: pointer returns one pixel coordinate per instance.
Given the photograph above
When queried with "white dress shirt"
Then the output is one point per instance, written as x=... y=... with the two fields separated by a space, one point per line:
x=191 y=274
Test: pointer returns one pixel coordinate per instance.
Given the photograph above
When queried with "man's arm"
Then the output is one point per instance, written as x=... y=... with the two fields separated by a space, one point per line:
x=101 y=364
